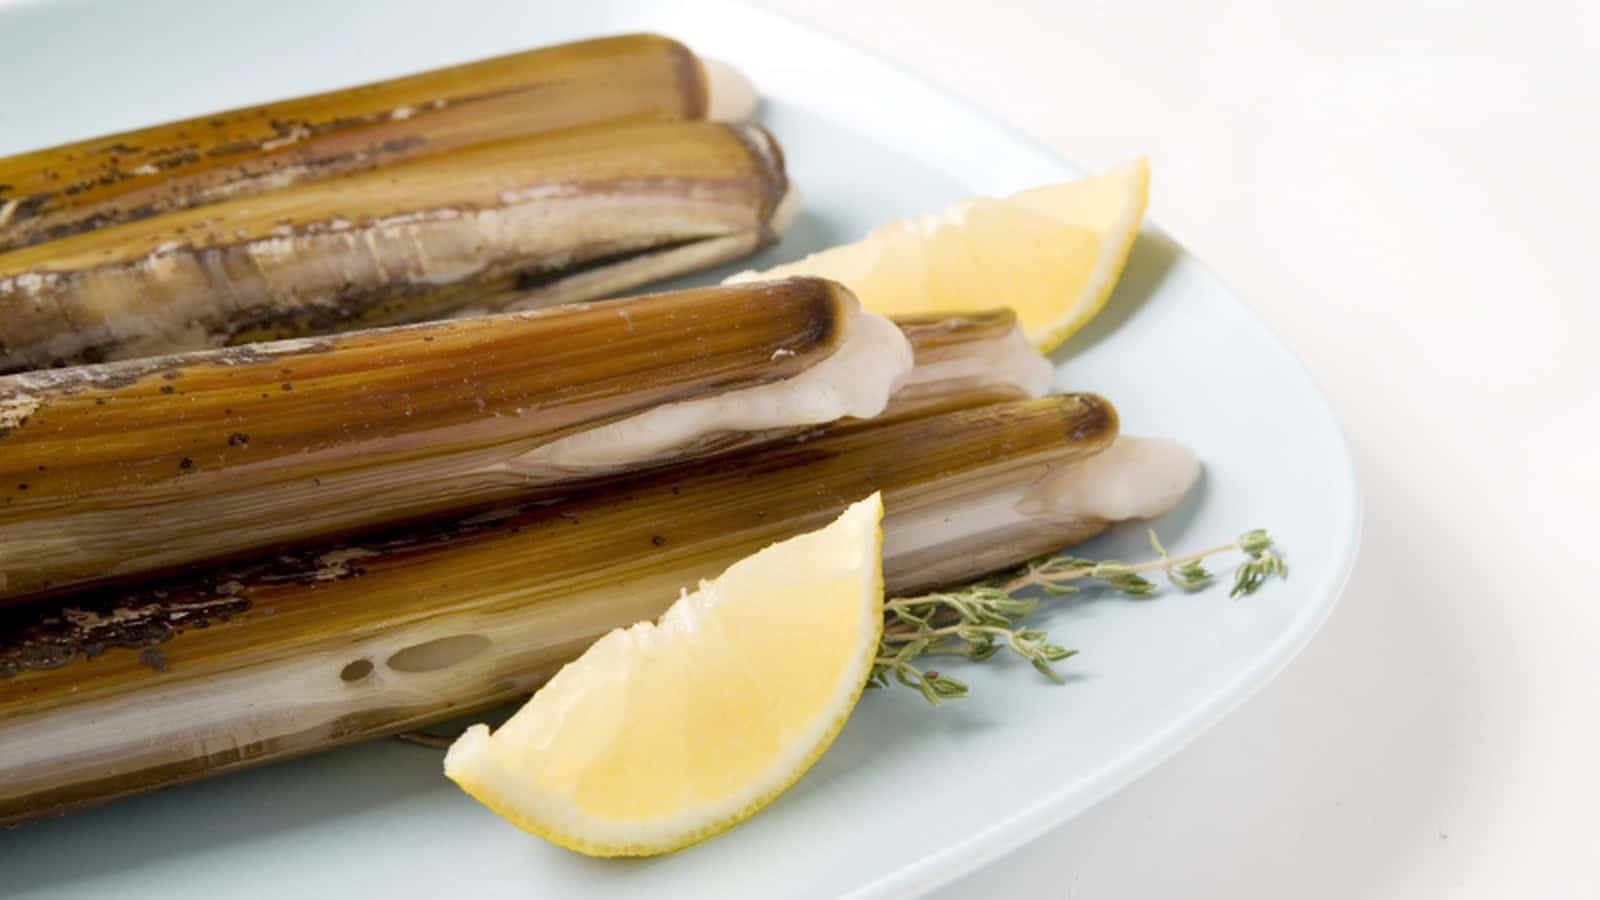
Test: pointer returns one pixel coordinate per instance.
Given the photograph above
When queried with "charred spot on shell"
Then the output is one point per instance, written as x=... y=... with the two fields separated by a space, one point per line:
x=51 y=634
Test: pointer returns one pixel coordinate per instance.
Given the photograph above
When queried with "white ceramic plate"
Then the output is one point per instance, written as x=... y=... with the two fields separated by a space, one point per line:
x=909 y=796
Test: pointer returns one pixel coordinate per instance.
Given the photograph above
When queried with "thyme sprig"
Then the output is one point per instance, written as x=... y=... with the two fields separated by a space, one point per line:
x=978 y=620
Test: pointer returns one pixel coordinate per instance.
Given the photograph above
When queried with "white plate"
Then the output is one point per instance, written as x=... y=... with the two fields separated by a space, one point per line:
x=909 y=796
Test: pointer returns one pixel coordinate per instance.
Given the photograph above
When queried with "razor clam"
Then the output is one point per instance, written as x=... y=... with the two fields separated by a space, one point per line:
x=123 y=468
x=551 y=218
x=397 y=630
x=84 y=186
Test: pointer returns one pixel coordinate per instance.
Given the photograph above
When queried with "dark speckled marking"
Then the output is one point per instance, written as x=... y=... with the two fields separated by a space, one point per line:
x=29 y=207
x=122 y=373
x=48 y=635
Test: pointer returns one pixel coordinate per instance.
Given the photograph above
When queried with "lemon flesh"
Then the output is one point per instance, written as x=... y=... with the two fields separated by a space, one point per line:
x=664 y=734
x=1051 y=253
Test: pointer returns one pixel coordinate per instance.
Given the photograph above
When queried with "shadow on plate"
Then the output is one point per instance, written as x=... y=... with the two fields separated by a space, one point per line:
x=1152 y=257
x=197 y=819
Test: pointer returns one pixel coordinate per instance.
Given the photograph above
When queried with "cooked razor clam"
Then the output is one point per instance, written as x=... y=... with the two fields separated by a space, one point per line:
x=121 y=468
x=400 y=629
x=84 y=186
x=539 y=220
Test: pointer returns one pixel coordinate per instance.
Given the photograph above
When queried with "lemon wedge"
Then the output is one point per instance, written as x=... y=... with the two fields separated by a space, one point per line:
x=1051 y=253
x=667 y=733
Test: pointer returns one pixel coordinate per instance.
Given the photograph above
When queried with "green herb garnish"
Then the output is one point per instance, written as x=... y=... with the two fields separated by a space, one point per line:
x=978 y=620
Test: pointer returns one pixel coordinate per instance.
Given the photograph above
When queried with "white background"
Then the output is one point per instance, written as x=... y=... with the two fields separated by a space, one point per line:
x=1407 y=192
